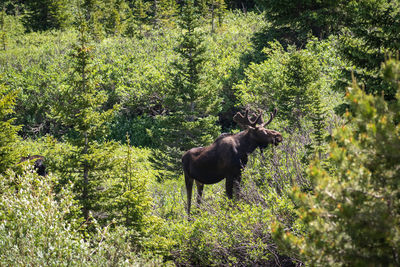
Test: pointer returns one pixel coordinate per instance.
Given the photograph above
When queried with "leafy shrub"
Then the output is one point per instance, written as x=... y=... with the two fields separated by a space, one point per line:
x=8 y=134
x=352 y=215
x=36 y=228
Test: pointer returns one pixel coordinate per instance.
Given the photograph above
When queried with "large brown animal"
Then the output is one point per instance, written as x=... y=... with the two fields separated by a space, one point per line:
x=227 y=156
x=38 y=165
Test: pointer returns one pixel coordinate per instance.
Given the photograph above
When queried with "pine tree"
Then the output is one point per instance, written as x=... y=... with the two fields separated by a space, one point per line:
x=295 y=20
x=192 y=105
x=353 y=216
x=164 y=12
x=46 y=14
x=373 y=33
x=318 y=118
x=3 y=32
x=79 y=108
x=8 y=132
x=140 y=10
x=219 y=7
x=215 y=9
x=131 y=202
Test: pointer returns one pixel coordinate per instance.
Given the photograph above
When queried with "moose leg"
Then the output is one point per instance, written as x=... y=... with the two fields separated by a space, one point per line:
x=236 y=186
x=189 y=186
x=200 y=187
x=229 y=187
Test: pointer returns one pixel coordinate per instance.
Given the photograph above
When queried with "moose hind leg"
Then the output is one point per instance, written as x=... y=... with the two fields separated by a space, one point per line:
x=189 y=186
x=200 y=187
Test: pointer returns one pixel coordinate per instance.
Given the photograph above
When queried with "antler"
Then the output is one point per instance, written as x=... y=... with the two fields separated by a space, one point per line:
x=246 y=121
x=271 y=118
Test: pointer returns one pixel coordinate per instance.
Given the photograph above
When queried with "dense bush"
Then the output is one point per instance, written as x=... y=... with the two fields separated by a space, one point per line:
x=352 y=216
x=36 y=228
x=134 y=72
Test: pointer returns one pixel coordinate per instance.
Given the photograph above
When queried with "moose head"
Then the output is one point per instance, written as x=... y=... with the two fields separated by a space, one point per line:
x=227 y=156
x=259 y=133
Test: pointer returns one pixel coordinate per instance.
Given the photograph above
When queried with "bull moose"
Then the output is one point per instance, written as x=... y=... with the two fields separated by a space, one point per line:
x=227 y=156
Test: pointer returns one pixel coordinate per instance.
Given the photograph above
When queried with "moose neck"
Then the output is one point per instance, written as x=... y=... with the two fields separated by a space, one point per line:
x=247 y=144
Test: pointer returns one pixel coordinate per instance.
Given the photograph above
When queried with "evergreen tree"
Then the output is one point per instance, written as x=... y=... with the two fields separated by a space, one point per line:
x=373 y=33
x=8 y=132
x=79 y=108
x=130 y=199
x=3 y=32
x=140 y=10
x=294 y=21
x=289 y=80
x=46 y=14
x=318 y=118
x=192 y=105
x=369 y=29
x=215 y=9
x=353 y=216
x=219 y=8
x=164 y=12
x=110 y=16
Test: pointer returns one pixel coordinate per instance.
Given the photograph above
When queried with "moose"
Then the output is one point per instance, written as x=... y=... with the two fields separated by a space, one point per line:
x=38 y=165
x=227 y=156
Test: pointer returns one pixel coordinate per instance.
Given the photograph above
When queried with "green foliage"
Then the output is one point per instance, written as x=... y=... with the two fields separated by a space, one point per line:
x=79 y=108
x=3 y=32
x=239 y=238
x=118 y=192
x=213 y=9
x=125 y=197
x=293 y=22
x=174 y=85
x=165 y=12
x=292 y=81
x=8 y=133
x=106 y=18
x=115 y=13
x=36 y=228
x=318 y=119
x=10 y=28
x=131 y=71
x=373 y=33
x=46 y=14
x=35 y=68
x=78 y=105
x=352 y=217
x=191 y=104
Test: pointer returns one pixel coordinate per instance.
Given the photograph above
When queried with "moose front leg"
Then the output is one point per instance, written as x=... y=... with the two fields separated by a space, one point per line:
x=189 y=186
x=229 y=187
x=232 y=185
x=200 y=187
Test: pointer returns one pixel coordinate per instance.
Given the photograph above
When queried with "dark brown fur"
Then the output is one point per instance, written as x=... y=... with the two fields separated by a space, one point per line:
x=38 y=164
x=225 y=158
